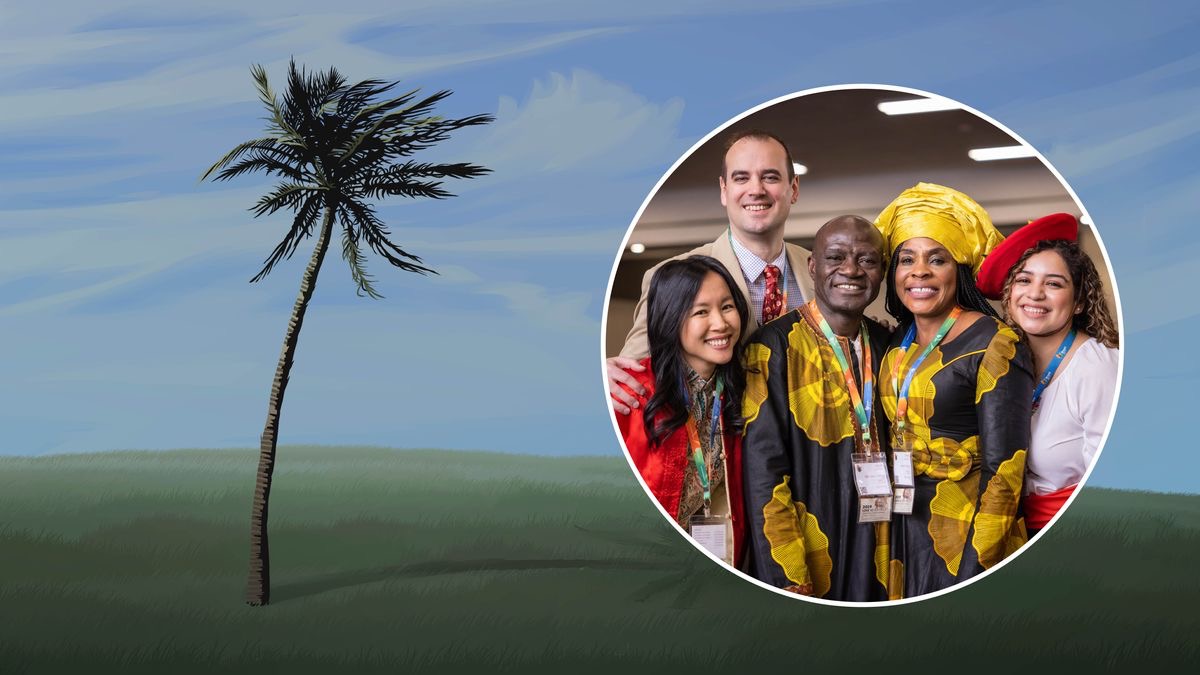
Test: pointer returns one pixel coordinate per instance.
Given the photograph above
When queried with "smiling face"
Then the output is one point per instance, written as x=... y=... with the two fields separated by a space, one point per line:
x=846 y=266
x=755 y=189
x=1042 y=296
x=926 y=278
x=711 y=328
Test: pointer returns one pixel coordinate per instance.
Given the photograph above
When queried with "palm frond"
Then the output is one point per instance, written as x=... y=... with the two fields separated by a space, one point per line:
x=375 y=122
x=308 y=95
x=277 y=118
x=354 y=98
x=259 y=161
x=263 y=84
x=427 y=129
x=285 y=195
x=328 y=88
x=402 y=179
x=369 y=114
x=365 y=163
x=431 y=189
x=376 y=234
x=336 y=145
x=436 y=130
x=295 y=97
x=416 y=135
x=418 y=110
x=256 y=144
x=357 y=262
x=426 y=170
x=302 y=228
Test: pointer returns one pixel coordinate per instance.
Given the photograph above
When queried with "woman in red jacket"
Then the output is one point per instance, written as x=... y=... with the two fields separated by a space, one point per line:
x=686 y=444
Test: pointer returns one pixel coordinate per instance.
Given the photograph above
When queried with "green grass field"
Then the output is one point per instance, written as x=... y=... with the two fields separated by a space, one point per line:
x=441 y=561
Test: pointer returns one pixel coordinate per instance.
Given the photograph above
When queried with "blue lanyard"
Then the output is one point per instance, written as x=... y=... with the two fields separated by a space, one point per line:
x=909 y=338
x=1048 y=374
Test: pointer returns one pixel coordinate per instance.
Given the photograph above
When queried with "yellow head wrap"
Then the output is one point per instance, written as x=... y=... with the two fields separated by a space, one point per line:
x=944 y=215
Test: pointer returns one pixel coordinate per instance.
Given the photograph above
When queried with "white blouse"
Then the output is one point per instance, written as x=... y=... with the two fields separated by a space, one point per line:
x=1070 y=422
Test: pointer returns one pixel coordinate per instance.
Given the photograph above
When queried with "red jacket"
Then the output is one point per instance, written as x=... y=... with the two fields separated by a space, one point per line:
x=662 y=467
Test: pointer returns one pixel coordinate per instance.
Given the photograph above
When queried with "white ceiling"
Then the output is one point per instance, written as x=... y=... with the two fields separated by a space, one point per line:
x=858 y=160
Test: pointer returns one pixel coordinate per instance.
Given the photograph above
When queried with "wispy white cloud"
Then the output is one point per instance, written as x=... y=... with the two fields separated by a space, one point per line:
x=455 y=274
x=582 y=123
x=1156 y=260
x=1087 y=131
x=82 y=293
x=1082 y=158
x=206 y=81
x=604 y=129
x=527 y=243
x=564 y=311
x=128 y=233
x=73 y=15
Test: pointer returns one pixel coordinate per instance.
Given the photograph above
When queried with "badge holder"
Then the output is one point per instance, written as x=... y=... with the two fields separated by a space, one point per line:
x=904 y=486
x=874 y=487
x=715 y=534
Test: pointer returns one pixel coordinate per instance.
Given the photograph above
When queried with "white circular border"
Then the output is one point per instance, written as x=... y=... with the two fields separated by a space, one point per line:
x=625 y=242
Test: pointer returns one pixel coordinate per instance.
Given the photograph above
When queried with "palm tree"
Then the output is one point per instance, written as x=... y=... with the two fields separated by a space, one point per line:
x=335 y=147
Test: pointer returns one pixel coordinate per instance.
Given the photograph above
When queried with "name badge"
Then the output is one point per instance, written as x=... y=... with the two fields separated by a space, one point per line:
x=875 y=509
x=902 y=469
x=715 y=534
x=873 y=485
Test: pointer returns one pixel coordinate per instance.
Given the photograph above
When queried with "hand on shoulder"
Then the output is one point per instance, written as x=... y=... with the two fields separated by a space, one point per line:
x=623 y=387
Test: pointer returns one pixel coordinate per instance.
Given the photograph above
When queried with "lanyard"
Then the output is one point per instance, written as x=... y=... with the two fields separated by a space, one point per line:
x=861 y=412
x=783 y=271
x=1048 y=374
x=694 y=440
x=909 y=338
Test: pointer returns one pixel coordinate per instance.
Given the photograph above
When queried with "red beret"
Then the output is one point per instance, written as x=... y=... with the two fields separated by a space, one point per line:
x=995 y=267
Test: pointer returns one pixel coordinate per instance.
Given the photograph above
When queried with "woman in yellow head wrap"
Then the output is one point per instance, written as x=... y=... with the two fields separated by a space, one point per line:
x=956 y=386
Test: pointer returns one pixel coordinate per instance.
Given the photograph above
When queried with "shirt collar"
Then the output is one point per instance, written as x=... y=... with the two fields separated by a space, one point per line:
x=752 y=265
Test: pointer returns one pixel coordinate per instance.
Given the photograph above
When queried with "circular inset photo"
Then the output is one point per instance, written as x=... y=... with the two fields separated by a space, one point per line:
x=862 y=345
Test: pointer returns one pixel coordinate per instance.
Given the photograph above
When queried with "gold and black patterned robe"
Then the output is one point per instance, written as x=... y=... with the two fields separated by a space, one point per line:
x=802 y=508
x=968 y=420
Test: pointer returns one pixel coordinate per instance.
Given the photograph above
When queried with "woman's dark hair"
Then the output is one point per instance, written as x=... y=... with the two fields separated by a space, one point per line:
x=1094 y=319
x=967 y=293
x=673 y=290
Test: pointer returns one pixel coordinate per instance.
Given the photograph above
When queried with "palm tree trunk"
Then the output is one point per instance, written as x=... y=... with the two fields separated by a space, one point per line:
x=258 y=583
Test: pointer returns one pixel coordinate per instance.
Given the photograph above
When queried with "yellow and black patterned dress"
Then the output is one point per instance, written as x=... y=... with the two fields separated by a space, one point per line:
x=968 y=421
x=802 y=508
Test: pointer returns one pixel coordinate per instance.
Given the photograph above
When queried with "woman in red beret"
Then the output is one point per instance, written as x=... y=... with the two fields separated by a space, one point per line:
x=686 y=444
x=1053 y=296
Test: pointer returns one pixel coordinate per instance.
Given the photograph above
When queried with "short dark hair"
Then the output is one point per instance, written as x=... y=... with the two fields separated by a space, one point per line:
x=758 y=135
x=673 y=289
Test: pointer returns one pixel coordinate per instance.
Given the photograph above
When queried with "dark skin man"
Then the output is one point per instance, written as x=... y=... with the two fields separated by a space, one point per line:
x=798 y=446
x=847 y=270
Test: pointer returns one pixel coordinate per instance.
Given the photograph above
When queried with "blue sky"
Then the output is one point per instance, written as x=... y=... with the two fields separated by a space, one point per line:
x=128 y=321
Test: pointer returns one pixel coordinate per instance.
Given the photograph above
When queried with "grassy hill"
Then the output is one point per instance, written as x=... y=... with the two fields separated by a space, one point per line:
x=441 y=561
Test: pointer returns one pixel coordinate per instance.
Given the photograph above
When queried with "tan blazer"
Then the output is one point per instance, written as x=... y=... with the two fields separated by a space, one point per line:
x=636 y=344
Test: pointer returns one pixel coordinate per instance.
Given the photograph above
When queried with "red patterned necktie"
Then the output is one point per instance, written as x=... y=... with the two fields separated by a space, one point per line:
x=773 y=297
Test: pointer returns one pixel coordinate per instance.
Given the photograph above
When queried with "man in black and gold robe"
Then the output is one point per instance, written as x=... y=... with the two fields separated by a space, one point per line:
x=801 y=427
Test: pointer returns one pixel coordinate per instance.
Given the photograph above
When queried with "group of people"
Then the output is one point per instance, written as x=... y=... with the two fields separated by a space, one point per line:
x=828 y=454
